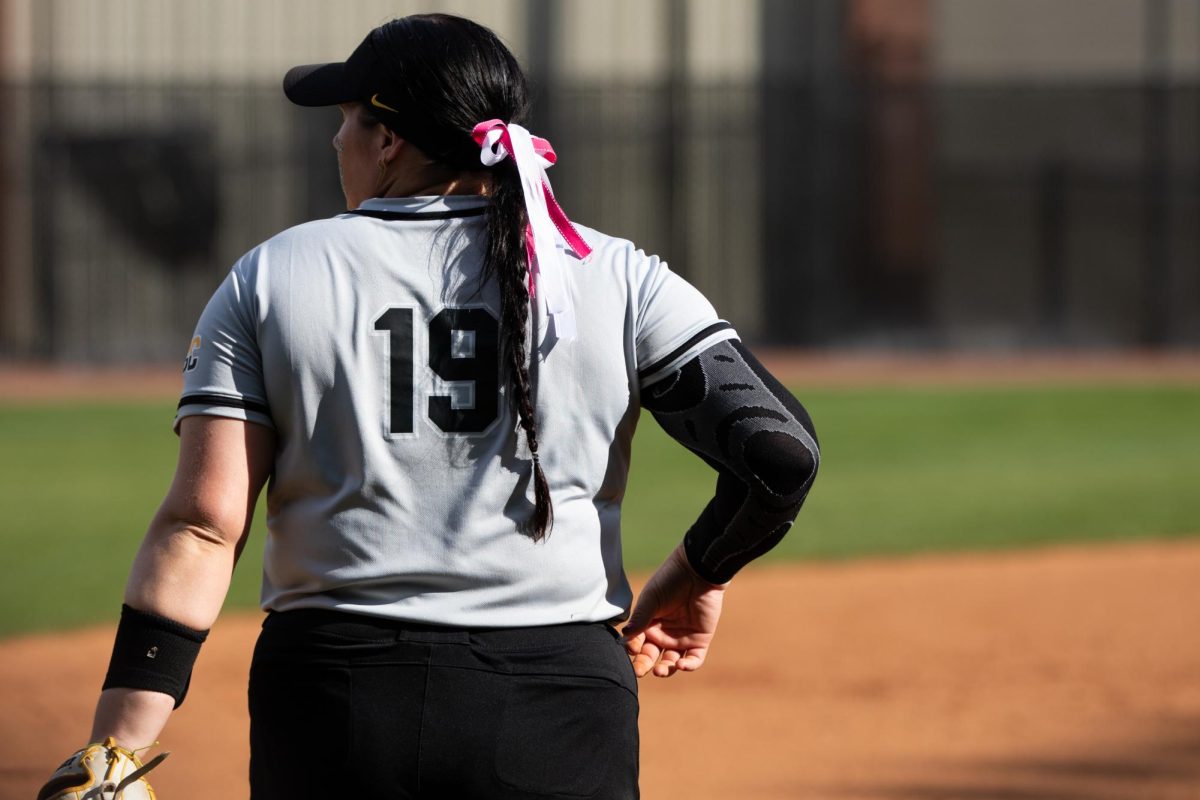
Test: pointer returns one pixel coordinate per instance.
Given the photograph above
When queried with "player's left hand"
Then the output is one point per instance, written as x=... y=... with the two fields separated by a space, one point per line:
x=101 y=772
x=674 y=620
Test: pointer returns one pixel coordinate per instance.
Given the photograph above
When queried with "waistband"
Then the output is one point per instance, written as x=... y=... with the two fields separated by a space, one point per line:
x=361 y=626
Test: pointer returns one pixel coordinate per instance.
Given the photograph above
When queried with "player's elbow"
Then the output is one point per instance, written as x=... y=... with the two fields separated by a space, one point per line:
x=804 y=469
x=209 y=526
x=784 y=464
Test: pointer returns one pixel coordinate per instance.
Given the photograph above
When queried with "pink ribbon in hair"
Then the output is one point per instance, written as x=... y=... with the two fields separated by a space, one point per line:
x=533 y=156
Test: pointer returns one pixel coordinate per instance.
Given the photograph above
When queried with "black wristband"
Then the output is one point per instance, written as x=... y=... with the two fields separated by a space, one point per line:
x=153 y=653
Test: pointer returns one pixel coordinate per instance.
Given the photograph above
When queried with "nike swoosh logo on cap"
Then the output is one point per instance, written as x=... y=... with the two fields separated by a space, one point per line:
x=376 y=102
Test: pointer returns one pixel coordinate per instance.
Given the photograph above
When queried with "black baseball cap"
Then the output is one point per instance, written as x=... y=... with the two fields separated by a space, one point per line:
x=385 y=73
x=360 y=78
x=365 y=77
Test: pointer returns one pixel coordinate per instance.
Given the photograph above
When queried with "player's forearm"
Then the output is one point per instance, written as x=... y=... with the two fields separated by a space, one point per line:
x=134 y=717
x=181 y=574
x=738 y=525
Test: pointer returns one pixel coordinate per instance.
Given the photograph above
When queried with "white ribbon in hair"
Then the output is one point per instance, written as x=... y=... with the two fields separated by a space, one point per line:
x=533 y=156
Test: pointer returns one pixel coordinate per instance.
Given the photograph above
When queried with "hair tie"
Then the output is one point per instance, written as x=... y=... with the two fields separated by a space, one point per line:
x=533 y=156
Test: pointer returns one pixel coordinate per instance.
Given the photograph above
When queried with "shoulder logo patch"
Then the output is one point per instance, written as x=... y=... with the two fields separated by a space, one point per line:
x=193 y=355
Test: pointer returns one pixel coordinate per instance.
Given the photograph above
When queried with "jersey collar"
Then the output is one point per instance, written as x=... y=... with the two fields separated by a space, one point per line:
x=439 y=205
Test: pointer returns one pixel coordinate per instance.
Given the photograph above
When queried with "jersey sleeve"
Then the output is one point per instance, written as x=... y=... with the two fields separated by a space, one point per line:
x=674 y=323
x=223 y=372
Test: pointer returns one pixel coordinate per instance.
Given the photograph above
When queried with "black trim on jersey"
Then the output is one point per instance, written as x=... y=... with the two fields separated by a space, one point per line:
x=717 y=326
x=223 y=400
x=410 y=215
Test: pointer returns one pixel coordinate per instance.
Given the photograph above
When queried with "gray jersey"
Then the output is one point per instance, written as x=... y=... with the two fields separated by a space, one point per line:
x=400 y=479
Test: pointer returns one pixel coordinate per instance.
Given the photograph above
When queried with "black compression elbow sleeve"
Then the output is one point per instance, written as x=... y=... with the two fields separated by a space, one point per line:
x=725 y=406
x=154 y=653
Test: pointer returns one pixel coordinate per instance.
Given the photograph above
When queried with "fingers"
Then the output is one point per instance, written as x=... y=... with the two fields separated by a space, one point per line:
x=692 y=660
x=645 y=658
x=649 y=658
x=662 y=658
x=665 y=667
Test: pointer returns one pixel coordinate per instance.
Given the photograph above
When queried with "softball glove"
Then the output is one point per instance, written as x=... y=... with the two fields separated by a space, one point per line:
x=101 y=772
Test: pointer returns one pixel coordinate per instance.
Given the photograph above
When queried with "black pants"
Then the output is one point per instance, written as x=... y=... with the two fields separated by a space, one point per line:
x=349 y=706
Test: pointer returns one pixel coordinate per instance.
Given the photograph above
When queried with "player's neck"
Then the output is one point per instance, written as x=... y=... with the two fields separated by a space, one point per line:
x=464 y=185
x=410 y=177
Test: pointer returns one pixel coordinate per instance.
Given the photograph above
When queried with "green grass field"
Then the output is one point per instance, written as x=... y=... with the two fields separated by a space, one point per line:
x=904 y=471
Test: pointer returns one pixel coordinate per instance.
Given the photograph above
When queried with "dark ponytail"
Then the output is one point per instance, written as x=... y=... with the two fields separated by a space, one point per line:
x=506 y=259
x=453 y=73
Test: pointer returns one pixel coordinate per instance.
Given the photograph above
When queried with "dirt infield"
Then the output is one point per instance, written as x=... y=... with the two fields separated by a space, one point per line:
x=1065 y=674
x=30 y=382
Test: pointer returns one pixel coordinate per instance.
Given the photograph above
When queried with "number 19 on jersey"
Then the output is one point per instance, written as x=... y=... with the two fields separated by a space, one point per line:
x=464 y=349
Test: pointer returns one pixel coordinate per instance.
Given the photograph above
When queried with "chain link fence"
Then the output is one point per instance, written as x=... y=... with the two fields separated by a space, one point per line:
x=815 y=204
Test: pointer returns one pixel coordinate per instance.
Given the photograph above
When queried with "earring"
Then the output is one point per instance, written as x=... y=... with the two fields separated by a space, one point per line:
x=382 y=168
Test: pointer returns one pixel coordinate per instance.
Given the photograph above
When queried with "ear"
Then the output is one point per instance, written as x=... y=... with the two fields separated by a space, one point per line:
x=390 y=145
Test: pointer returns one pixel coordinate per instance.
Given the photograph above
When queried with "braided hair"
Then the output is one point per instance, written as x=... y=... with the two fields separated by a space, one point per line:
x=449 y=74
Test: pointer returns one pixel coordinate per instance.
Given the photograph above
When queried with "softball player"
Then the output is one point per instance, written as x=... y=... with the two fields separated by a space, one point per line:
x=442 y=387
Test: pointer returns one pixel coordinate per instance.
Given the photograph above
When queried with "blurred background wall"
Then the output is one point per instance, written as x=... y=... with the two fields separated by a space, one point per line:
x=999 y=174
